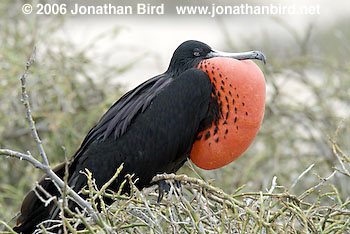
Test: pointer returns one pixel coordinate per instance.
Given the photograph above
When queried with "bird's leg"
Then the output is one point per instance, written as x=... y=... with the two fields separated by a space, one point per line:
x=178 y=184
x=162 y=187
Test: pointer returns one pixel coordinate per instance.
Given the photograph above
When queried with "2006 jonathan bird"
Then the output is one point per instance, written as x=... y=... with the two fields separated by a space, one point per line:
x=208 y=106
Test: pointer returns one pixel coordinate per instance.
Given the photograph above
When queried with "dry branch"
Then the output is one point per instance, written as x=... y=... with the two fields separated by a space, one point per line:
x=45 y=165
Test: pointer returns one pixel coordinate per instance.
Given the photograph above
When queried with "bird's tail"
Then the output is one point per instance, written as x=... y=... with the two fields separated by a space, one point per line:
x=33 y=210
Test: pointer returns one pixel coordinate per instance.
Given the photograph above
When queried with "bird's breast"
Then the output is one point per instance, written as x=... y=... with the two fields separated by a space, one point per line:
x=239 y=88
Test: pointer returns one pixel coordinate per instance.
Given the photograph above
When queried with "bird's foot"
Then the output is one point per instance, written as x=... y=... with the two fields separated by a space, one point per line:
x=162 y=187
x=178 y=184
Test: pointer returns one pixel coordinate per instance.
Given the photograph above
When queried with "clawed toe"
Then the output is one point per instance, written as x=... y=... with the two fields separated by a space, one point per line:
x=162 y=187
x=178 y=184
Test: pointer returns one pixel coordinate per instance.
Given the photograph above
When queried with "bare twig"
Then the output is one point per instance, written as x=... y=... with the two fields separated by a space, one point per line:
x=273 y=184
x=26 y=104
x=109 y=182
x=8 y=227
x=312 y=189
x=336 y=149
x=301 y=175
x=26 y=157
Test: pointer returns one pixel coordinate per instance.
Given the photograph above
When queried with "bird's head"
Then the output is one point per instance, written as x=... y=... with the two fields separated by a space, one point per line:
x=190 y=53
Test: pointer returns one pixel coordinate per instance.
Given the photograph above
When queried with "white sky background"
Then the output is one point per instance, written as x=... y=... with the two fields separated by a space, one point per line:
x=157 y=37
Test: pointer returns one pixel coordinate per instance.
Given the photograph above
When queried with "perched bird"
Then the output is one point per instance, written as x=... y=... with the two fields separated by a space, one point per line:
x=155 y=127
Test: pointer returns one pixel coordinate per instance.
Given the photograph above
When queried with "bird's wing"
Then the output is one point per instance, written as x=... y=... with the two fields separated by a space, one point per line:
x=122 y=112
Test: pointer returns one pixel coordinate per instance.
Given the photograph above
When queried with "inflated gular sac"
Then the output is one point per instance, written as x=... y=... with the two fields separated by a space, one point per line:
x=239 y=87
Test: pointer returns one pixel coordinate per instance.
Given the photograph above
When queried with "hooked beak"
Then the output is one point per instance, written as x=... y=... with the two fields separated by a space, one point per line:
x=239 y=56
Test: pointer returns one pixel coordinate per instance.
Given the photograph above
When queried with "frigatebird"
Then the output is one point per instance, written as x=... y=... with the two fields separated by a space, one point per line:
x=151 y=129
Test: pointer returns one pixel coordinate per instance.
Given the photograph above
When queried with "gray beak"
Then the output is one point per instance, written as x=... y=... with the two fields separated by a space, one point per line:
x=239 y=56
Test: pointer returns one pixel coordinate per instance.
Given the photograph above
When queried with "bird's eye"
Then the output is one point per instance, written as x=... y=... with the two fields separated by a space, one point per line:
x=196 y=52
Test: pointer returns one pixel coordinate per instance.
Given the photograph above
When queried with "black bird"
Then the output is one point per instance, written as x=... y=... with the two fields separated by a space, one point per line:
x=150 y=129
